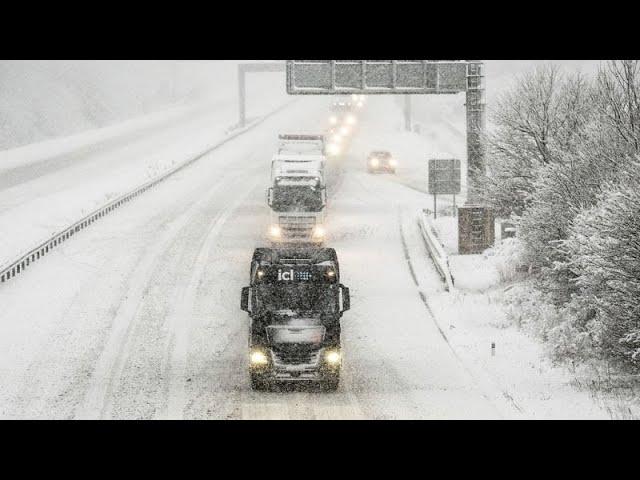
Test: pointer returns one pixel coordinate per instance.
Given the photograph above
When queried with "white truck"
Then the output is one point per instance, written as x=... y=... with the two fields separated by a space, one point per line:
x=297 y=195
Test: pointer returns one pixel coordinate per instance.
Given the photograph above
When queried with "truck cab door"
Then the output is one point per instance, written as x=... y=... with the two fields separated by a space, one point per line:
x=245 y=300
x=345 y=299
x=270 y=196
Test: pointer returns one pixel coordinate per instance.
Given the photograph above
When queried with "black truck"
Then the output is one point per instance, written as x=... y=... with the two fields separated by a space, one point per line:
x=295 y=301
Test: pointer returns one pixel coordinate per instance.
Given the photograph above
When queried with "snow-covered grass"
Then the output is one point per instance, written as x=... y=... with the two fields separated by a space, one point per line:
x=45 y=187
x=477 y=315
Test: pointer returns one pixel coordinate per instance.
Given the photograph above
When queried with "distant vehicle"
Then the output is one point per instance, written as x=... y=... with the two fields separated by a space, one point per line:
x=295 y=301
x=342 y=114
x=297 y=211
x=381 y=161
x=297 y=195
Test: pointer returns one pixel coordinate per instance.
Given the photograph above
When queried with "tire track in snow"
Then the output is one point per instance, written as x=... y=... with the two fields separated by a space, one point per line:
x=111 y=363
x=180 y=317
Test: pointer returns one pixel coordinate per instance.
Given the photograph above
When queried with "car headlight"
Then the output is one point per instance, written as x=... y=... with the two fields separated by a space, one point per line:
x=393 y=162
x=318 y=231
x=258 y=357
x=333 y=119
x=375 y=162
x=333 y=357
x=275 y=231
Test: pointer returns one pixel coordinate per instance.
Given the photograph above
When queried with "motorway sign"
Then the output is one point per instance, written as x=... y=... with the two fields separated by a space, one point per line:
x=335 y=77
x=444 y=176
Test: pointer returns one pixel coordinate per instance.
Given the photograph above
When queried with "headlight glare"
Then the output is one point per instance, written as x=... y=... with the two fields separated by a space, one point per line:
x=258 y=357
x=333 y=357
x=275 y=231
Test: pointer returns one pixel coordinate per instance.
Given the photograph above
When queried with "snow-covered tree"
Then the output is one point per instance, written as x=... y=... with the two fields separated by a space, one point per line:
x=603 y=254
x=540 y=119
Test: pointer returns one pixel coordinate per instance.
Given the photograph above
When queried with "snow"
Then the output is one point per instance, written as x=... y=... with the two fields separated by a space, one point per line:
x=48 y=186
x=473 y=317
x=56 y=98
x=138 y=316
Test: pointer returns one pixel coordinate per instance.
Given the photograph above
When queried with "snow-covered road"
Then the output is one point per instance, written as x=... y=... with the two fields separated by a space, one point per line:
x=138 y=316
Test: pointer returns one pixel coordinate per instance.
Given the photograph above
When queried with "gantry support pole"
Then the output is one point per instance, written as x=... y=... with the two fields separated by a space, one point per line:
x=243 y=69
x=476 y=122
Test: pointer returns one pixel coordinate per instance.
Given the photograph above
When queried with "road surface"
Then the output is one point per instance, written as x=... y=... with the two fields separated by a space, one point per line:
x=138 y=316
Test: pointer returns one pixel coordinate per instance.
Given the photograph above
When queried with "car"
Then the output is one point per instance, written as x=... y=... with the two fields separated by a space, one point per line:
x=381 y=161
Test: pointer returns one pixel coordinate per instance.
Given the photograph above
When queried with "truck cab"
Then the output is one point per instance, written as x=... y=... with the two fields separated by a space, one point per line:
x=297 y=196
x=295 y=301
x=298 y=207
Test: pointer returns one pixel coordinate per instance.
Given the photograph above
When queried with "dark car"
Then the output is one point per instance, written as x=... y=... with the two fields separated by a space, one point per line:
x=381 y=161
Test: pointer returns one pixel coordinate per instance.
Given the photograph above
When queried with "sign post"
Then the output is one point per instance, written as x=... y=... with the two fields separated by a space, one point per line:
x=444 y=178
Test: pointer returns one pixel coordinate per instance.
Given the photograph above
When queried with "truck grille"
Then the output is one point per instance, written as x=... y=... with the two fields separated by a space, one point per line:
x=297 y=227
x=306 y=357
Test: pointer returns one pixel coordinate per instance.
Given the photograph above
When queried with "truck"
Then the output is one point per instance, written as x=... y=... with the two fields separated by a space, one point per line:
x=297 y=195
x=295 y=302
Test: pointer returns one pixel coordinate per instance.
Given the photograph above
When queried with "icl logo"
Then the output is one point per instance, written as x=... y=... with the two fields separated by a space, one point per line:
x=289 y=275
x=286 y=275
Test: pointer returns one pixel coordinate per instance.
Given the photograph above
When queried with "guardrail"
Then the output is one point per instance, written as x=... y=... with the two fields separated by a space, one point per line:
x=437 y=253
x=25 y=259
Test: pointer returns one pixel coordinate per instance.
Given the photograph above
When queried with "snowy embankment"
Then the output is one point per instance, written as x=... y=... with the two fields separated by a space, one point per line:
x=47 y=186
x=474 y=319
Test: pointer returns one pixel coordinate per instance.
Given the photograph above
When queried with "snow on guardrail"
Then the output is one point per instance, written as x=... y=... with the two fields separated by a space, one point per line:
x=436 y=251
x=22 y=261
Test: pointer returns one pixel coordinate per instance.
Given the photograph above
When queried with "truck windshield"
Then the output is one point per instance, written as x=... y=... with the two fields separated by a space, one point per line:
x=297 y=199
x=320 y=299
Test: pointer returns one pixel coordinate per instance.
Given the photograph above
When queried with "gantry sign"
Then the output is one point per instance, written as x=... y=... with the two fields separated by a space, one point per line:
x=404 y=77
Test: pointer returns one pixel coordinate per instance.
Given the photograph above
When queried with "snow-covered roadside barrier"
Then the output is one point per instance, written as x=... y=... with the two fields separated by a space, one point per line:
x=436 y=251
x=32 y=254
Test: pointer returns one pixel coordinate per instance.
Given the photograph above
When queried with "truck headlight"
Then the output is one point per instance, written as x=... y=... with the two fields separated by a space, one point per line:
x=275 y=231
x=351 y=119
x=333 y=149
x=333 y=119
x=332 y=357
x=258 y=357
x=318 y=231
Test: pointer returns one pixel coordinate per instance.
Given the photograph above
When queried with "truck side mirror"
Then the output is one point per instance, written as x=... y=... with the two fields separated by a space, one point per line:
x=346 y=299
x=270 y=196
x=244 y=299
